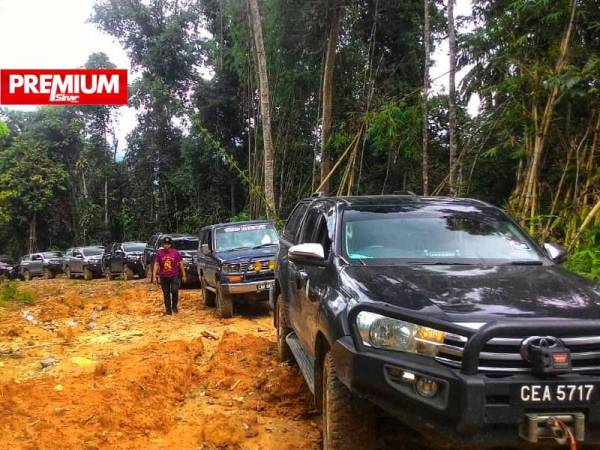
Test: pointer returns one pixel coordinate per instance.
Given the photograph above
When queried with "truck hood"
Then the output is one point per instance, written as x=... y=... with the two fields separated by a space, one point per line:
x=247 y=254
x=477 y=293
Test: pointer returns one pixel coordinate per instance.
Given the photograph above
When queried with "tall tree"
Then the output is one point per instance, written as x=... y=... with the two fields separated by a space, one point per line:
x=265 y=105
x=425 y=129
x=335 y=17
x=453 y=155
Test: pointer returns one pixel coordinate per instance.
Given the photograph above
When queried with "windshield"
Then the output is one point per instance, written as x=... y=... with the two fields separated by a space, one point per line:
x=52 y=254
x=92 y=251
x=185 y=244
x=451 y=237
x=134 y=246
x=245 y=236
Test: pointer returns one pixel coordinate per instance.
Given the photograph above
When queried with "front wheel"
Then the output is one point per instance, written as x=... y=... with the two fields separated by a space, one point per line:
x=224 y=303
x=107 y=273
x=87 y=274
x=283 y=349
x=26 y=275
x=348 y=422
x=48 y=274
x=149 y=272
x=127 y=273
x=208 y=297
x=68 y=272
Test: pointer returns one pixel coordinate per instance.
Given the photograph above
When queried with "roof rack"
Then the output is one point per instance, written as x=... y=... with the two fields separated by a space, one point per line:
x=404 y=193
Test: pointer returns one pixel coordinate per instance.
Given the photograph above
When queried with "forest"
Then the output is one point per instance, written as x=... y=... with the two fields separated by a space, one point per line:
x=245 y=106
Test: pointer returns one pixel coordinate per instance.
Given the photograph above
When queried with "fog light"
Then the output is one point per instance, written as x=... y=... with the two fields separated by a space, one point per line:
x=272 y=264
x=234 y=278
x=257 y=266
x=426 y=387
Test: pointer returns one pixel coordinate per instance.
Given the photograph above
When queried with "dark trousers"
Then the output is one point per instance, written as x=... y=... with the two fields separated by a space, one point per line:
x=170 y=288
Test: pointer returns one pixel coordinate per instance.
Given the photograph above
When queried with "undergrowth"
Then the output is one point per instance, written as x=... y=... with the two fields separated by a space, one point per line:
x=10 y=295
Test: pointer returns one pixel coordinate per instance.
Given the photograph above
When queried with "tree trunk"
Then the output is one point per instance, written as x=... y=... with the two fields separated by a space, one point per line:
x=543 y=126
x=425 y=149
x=32 y=233
x=453 y=162
x=265 y=107
x=327 y=92
x=106 y=201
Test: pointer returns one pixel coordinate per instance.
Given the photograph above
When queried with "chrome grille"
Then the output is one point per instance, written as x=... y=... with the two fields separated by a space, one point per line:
x=502 y=355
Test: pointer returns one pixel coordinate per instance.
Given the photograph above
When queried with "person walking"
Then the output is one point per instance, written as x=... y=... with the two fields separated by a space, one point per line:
x=169 y=266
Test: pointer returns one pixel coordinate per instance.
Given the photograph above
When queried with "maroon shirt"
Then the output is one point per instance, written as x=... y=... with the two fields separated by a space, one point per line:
x=168 y=262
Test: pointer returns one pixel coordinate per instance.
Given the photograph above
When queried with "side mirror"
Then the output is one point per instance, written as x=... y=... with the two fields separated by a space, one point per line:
x=556 y=252
x=205 y=249
x=309 y=253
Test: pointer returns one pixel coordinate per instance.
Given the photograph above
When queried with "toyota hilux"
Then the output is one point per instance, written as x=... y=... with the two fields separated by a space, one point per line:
x=442 y=313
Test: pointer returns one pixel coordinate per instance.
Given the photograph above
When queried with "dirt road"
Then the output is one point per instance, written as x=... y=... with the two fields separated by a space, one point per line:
x=120 y=375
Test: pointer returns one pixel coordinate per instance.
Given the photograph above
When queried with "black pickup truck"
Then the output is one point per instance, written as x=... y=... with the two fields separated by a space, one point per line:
x=236 y=259
x=185 y=243
x=123 y=259
x=442 y=313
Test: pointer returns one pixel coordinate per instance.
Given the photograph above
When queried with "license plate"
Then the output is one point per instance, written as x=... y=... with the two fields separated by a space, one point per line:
x=534 y=394
x=263 y=286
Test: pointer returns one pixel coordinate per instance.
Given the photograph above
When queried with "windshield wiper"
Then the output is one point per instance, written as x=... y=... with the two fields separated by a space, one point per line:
x=440 y=263
x=265 y=245
x=532 y=262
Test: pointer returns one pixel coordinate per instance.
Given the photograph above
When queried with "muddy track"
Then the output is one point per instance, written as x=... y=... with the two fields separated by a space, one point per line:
x=120 y=375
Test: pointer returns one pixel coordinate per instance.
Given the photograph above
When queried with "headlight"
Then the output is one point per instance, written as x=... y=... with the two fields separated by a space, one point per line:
x=231 y=268
x=393 y=334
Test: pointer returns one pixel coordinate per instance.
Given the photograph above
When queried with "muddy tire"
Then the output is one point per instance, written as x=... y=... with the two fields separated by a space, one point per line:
x=48 y=274
x=87 y=274
x=107 y=273
x=208 y=297
x=348 y=422
x=26 y=275
x=68 y=272
x=224 y=304
x=127 y=274
x=283 y=349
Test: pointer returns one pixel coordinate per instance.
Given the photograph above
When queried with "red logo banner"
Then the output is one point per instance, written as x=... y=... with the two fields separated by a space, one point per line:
x=63 y=87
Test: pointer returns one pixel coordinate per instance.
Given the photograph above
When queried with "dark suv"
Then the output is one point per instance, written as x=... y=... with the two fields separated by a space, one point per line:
x=123 y=259
x=442 y=313
x=185 y=243
x=9 y=268
x=86 y=261
x=46 y=264
x=236 y=258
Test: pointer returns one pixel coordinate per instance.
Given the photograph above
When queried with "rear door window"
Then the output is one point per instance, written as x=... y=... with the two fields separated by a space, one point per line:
x=290 y=231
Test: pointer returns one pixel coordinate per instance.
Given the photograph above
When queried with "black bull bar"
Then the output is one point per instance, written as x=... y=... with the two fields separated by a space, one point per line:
x=477 y=338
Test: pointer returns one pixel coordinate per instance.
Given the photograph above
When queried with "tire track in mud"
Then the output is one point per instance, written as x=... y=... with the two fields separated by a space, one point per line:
x=126 y=377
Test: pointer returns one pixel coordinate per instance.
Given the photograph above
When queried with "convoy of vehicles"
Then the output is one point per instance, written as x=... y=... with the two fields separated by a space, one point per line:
x=187 y=245
x=236 y=260
x=85 y=261
x=46 y=264
x=442 y=313
x=123 y=259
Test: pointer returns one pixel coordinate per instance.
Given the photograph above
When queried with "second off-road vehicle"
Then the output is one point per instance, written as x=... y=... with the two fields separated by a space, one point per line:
x=236 y=259
x=442 y=313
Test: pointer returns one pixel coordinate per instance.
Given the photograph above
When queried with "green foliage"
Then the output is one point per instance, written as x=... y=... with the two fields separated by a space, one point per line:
x=29 y=181
x=586 y=262
x=10 y=295
x=240 y=217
